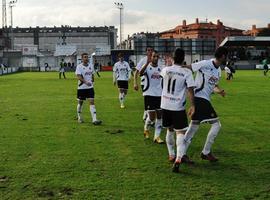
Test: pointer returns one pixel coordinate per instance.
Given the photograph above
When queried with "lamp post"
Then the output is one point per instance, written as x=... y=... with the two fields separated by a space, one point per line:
x=11 y=5
x=120 y=6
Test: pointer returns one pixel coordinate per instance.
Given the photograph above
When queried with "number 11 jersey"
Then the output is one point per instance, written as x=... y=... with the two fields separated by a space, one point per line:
x=176 y=80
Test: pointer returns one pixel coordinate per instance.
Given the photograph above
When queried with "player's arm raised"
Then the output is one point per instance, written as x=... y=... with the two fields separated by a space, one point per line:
x=144 y=67
x=220 y=91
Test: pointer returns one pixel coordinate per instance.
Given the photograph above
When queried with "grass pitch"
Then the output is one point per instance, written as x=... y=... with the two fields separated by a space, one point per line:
x=46 y=154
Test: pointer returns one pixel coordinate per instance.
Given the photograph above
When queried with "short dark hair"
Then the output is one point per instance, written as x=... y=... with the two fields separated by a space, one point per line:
x=148 y=47
x=179 y=56
x=84 y=54
x=120 y=55
x=155 y=51
x=221 y=51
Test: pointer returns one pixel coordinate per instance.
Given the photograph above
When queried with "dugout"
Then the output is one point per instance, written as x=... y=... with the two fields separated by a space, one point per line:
x=246 y=51
x=246 y=41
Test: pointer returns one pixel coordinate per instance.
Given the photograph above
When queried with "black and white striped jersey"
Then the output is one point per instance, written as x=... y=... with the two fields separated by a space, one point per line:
x=207 y=77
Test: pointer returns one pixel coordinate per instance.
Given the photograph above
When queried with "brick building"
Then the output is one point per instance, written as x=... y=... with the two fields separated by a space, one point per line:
x=202 y=30
x=264 y=31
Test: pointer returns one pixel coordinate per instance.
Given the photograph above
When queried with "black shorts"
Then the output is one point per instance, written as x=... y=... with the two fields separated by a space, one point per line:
x=122 y=84
x=175 y=119
x=204 y=111
x=152 y=103
x=84 y=94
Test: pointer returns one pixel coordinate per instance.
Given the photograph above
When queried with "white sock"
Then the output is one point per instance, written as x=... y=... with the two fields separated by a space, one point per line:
x=147 y=124
x=212 y=134
x=93 y=113
x=79 y=110
x=121 y=98
x=145 y=115
x=170 y=141
x=158 y=127
x=192 y=129
x=180 y=146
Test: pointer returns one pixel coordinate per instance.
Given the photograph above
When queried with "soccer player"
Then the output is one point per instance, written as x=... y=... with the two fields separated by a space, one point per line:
x=228 y=73
x=265 y=63
x=85 y=75
x=62 y=69
x=121 y=74
x=139 y=66
x=168 y=60
x=177 y=81
x=152 y=96
x=206 y=81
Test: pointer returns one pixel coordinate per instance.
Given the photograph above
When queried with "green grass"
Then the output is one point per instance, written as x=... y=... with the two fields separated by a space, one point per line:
x=46 y=154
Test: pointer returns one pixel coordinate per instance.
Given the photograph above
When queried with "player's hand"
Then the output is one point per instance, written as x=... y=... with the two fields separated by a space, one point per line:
x=149 y=58
x=88 y=83
x=222 y=93
x=136 y=87
x=191 y=111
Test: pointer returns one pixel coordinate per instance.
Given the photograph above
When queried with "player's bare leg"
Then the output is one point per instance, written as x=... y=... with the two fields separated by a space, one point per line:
x=158 y=127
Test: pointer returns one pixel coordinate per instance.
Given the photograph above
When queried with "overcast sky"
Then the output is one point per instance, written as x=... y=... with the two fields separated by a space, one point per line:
x=140 y=15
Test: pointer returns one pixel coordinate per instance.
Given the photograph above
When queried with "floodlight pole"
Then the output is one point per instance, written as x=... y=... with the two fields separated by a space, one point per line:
x=11 y=5
x=120 y=6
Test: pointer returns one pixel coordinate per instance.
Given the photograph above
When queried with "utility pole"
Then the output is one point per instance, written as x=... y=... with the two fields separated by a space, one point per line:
x=120 y=6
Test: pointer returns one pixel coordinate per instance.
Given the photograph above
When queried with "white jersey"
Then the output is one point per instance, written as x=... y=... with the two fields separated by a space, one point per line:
x=122 y=71
x=176 y=80
x=152 y=84
x=86 y=72
x=139 y=66
x=227 y=70
x=207 y=77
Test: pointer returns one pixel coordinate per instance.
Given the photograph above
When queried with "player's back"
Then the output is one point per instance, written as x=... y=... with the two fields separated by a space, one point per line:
x=176 y=79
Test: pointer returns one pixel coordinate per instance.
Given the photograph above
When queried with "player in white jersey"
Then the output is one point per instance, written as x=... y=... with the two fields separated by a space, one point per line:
x=152 y=96
x=207 y=79
x=85 y=75
x=139 y=66
x=121 y=74
x=177 y=81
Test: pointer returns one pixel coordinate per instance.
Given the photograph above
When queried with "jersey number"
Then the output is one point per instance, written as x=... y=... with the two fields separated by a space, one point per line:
x=171 y=86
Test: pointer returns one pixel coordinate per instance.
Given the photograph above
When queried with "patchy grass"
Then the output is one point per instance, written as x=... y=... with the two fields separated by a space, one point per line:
x=46 y=154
